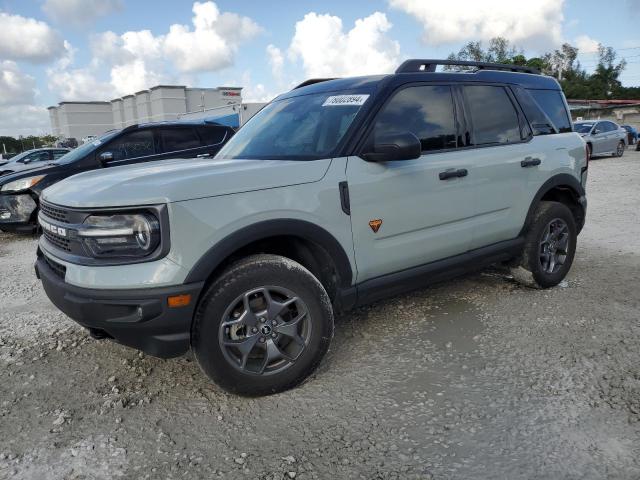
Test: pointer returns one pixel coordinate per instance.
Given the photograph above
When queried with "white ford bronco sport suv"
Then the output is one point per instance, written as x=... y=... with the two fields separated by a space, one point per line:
x=336 y=194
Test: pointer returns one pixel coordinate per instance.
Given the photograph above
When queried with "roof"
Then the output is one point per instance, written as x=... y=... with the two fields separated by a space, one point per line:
x=371 y=83
x=170 y=123
x=84 y=103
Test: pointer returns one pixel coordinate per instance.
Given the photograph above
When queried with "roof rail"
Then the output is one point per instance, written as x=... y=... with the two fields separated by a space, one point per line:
x=311 y=81
x=429 y=65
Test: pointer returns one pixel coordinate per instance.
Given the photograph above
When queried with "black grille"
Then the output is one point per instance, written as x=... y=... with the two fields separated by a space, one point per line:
x=59 y=270
x=54 y=213
x=59 y=242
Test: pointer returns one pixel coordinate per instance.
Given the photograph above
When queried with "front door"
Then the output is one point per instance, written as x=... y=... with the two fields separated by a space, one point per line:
x=403 y=214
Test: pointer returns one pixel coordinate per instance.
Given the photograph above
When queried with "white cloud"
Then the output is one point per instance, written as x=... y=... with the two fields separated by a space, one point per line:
x=135 y=76
x=79 y=12
x=276 y=60
x=213 y=42
x=28 y=39
x=136 y=60
x=79 y=84
x=24 y=120
x=326 y=50
x=586 y=44
x=537 y=24
x=16 y=87
x=18 y=115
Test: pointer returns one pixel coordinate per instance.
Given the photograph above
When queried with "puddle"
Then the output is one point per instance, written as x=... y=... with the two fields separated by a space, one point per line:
x=456 y=325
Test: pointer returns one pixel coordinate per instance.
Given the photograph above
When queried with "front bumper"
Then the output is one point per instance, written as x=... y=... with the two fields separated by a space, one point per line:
x=17 y=212
x=139 y=318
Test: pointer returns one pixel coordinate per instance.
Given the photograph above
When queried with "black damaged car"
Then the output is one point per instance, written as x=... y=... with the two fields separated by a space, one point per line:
x=20 y=188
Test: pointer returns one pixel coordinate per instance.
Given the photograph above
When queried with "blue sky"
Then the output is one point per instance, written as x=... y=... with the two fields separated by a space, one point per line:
x=55 y=50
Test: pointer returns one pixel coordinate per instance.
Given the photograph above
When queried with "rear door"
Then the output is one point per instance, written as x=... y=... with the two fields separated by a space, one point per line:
x=499 y=136
x=179 y=142
x=403 y=214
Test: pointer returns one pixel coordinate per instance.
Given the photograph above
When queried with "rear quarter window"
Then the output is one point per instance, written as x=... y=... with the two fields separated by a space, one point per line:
x=552 y=103
x=212 y=135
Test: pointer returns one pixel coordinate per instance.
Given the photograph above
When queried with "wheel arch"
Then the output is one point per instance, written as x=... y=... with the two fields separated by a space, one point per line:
x=563 y=188
x=309 y=244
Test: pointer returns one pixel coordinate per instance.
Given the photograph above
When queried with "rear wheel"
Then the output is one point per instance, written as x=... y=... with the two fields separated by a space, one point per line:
x=550 y=244
x=263 y=326
x=620 y=149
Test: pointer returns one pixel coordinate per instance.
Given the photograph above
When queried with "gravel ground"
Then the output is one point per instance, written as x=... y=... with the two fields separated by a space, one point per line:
x=476 y=378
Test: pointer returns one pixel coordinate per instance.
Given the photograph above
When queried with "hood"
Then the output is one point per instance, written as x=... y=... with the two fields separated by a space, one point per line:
x=15 y=171
x=179 y=180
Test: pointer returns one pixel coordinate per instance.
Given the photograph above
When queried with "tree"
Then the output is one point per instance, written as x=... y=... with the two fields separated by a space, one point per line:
x=562 y=64
x=500 y=50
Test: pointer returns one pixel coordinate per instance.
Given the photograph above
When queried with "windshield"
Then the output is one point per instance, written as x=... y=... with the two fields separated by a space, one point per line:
x=82 y=150
x=582 y=127
x=307 y=127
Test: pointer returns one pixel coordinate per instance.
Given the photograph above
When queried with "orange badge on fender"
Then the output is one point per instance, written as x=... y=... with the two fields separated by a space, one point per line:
x=375 y=225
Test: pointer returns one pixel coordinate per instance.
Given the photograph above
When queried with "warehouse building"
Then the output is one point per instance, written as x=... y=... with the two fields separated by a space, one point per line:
x=160 y=103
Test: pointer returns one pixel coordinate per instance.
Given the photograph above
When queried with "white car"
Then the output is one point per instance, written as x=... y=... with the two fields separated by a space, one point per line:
x=88 y=138
x=603 y=137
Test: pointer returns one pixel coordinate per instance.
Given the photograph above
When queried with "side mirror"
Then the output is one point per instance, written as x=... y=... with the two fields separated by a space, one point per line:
x=394 y=146
x=595 y=131
x=105 y=157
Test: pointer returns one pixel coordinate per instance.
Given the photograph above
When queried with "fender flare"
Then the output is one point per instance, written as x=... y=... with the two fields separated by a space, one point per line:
x=272 y=228
x=565 y=180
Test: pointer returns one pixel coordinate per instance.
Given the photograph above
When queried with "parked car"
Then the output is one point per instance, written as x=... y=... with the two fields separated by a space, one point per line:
x=603 y=137
x=30 y=157
x=21 y=185
x=336 y=194
x=68 y=143
x=632 y=134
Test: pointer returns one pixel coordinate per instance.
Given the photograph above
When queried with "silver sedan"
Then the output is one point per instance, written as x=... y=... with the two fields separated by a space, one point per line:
x=603 y=137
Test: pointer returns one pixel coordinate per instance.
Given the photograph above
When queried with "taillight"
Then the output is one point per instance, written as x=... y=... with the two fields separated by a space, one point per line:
x=587 y=154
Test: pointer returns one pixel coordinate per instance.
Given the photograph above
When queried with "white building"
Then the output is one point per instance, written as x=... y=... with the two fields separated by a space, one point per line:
x=160 y=103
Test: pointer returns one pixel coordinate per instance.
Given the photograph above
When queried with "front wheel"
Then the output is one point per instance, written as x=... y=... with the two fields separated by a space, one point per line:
x=263 y=326
x=550 y=244
x=620 y=149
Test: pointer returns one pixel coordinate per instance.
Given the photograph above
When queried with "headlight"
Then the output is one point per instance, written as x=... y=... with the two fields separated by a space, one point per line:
x=22 y=184
x=126 y=235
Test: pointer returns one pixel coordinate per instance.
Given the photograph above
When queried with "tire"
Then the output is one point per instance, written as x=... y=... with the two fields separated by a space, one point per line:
x=234 y=337
x=549 y=215
x=590 y=150
x=620 y=149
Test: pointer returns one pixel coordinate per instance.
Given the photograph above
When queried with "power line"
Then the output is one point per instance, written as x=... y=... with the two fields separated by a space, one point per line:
x=595 y=52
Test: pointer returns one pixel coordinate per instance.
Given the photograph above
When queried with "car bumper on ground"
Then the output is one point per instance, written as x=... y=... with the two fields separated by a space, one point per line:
x=139 y=318
x=17 y=212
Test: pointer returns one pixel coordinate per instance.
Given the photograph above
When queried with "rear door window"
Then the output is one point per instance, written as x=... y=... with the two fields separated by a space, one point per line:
x=132 y=145
x=59 y=153
x=426 y=111
x=552 y=103
x=178 y=139
x=494 y=117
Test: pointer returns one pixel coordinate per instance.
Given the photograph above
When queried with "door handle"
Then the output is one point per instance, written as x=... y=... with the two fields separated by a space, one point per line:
x=530 y=162
x=203 y=155
x=447 y=174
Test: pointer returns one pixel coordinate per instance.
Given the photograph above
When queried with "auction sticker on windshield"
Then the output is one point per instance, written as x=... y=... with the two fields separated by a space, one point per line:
x=339 y=100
